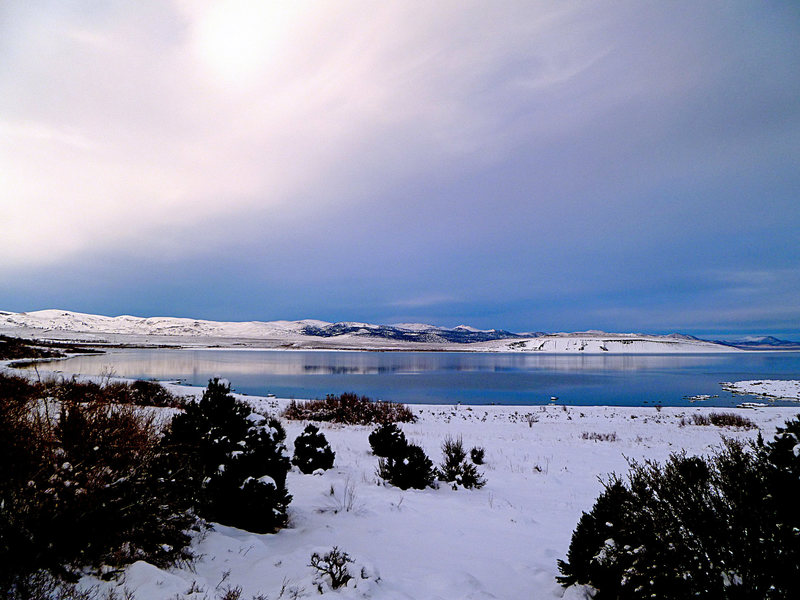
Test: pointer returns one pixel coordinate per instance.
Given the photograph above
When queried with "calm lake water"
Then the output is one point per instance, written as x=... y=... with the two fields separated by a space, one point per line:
x=448 y=378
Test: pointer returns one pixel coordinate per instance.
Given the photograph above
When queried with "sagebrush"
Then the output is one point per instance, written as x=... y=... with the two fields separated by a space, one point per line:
x=724 y=526
x=349 y=409
x=82 y=484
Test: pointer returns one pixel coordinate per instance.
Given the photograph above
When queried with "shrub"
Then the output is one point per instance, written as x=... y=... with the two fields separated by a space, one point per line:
x=141 y=393
x=235 y=458
x=411 y=469
x=334 y=565
x=312 y=451
x=348 y=409
x=80 y=486
x=17 y=389
x=723 y=527
x=476 y=455
x=599 y=437
x=388 y=440
x=731 y=420
x=455 y=469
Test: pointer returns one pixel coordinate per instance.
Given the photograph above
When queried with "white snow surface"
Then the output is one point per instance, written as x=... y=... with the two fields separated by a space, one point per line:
x=773 y=388
x=605 y=343
x=499 y=542
x=63 y=324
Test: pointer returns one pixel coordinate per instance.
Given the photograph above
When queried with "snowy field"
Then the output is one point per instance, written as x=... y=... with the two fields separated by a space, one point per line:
x=501 y=541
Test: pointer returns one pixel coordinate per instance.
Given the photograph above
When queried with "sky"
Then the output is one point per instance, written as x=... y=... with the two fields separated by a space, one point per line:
x=531 y=166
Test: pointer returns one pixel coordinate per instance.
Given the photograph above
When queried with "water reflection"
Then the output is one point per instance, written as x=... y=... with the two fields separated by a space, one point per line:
x=181 y=363
x=433 y=377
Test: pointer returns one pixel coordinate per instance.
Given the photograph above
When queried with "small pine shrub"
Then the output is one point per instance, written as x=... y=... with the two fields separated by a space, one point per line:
x=388 y=440
x=312 y=451
x=411 y=469
x=233 y=458
x=477 y=455
x=455 y=469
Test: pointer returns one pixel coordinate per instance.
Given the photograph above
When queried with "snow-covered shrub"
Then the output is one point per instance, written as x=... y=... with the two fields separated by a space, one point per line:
x=81 y=486
x=599 y=437
x=411 y=469
x=312 y=451
x=388 y=440
x=598 y=536
x=725 y=526
x=455 y=469
x=477 y=455
x=235 y=459
x=334 y=565
x=349 y=409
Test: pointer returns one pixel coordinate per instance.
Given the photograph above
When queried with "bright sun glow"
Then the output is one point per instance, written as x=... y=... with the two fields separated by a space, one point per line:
x=237 y=39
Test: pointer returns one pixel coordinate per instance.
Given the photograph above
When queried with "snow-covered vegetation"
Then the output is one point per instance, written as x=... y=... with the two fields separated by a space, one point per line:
x=543 y=468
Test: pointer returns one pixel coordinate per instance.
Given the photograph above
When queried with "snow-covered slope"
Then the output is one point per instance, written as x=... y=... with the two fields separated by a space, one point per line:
x=311 y=333
x=612 y=343
x=64 y=320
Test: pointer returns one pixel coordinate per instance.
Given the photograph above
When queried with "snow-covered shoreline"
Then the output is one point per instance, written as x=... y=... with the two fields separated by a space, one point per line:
x=783 y=389
x=543 y=470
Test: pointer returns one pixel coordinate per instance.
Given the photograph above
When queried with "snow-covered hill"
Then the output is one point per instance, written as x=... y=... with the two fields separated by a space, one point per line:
x=310 y=333
x=611 y=343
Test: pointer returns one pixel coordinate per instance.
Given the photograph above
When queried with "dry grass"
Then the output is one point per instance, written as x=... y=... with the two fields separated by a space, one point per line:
x=719 y=419
x=349 y=409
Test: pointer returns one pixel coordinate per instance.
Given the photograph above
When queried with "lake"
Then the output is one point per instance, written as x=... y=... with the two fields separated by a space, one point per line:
x=453 y=377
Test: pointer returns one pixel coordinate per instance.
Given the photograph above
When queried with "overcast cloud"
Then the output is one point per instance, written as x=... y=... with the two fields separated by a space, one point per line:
x=525 y=165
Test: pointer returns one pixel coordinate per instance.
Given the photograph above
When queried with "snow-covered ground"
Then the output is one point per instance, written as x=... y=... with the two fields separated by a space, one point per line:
x=606 y=343
x=772 y=388
x=501 y=541
x=154 y=331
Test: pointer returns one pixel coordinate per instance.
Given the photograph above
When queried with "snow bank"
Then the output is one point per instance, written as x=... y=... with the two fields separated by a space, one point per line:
x=774 y=388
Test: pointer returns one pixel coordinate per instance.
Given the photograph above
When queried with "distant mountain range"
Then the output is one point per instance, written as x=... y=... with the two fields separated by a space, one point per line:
x=309 y=333
x=761 y=343
x=415 y=332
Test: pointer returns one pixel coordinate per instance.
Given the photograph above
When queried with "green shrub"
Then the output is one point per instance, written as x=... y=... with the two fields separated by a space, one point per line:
x=233 y=459
x=455 y=469
x=411 y=469
x=477 y=455
x=387 y=440
x=312 y=451
x=725 y=527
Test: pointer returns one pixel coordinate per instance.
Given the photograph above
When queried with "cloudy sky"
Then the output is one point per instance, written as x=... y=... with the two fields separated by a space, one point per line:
x=524 y=165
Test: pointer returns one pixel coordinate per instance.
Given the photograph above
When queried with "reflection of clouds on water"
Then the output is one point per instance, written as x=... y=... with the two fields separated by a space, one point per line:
x=447 y=378
x=182 y=363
